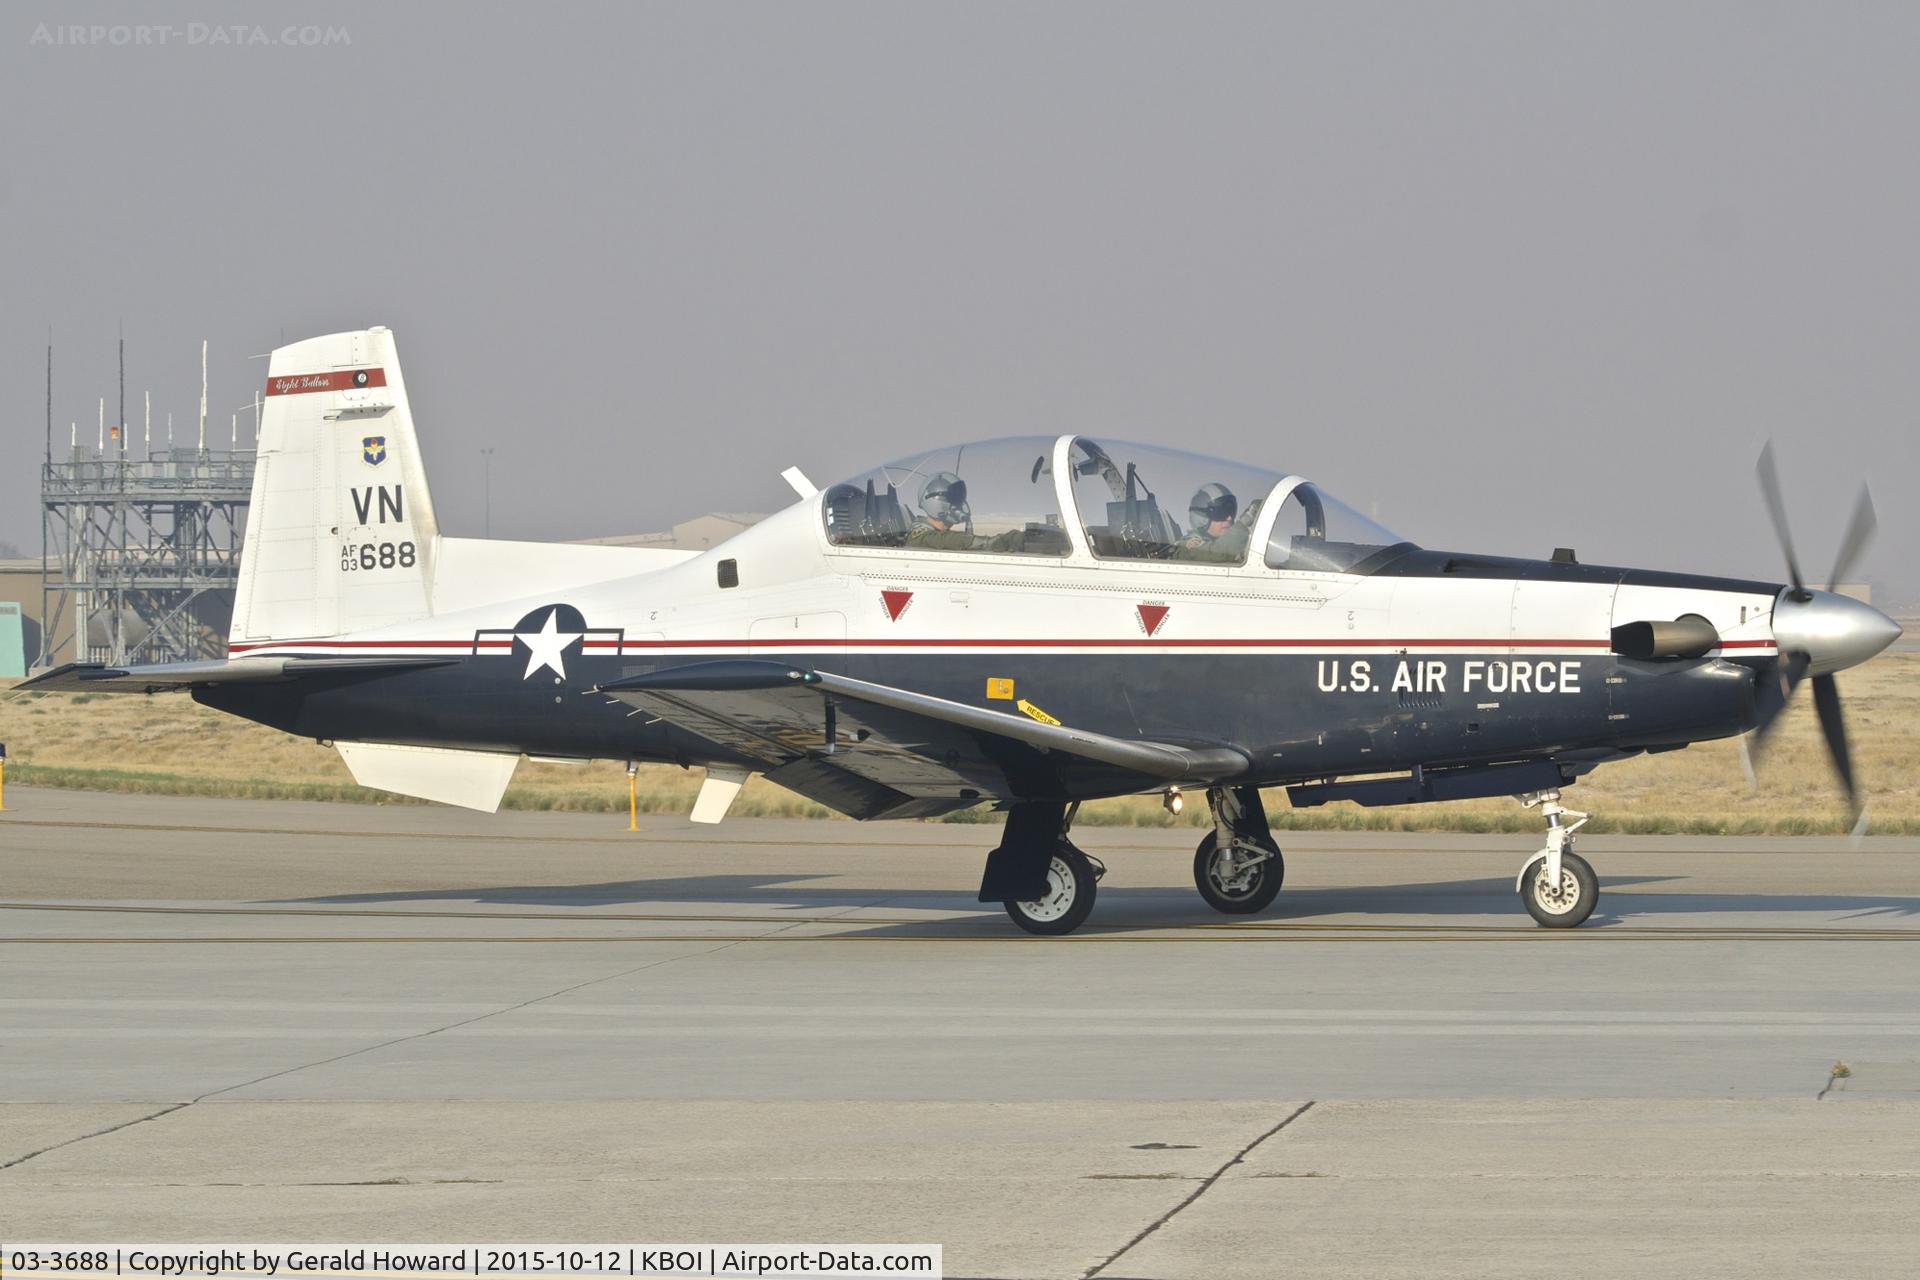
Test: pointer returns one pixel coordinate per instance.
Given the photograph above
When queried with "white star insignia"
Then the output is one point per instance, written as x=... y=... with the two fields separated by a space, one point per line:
x=546 y=647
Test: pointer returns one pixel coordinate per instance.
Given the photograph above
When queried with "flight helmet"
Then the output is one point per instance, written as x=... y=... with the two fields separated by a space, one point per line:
x=1211 y=502
x=944 y=498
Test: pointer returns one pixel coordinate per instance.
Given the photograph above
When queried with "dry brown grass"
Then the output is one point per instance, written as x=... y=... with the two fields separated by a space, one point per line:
x=169 y=744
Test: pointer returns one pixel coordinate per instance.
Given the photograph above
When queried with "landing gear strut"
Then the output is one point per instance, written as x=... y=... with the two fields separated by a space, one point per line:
x=1046 y=884
x=1238 y=867
x=1557 y=885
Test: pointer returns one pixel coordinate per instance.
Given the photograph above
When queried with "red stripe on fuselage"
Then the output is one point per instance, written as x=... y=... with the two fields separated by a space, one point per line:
x=1038 y=642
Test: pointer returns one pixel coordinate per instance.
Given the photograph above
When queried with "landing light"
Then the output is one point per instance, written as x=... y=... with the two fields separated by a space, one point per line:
x=1174 y=801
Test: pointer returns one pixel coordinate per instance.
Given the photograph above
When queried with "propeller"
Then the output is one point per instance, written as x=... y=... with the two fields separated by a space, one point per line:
x=1774 y=684
x=1777 y=509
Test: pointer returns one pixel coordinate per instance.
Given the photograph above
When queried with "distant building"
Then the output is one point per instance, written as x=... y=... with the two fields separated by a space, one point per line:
x=13 y=648
x=20 y=582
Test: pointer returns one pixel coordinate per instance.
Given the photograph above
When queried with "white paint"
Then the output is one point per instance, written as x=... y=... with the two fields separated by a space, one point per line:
x=717 y=793
x=469 y=779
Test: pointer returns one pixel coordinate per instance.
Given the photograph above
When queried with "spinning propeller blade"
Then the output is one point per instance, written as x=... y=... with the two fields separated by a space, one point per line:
x=1777 y=509
x=1773 y=687
x=1859 y=534
x=1826 y=700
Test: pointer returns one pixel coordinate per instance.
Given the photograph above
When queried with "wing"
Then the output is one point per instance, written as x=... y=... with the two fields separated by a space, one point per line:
x=97 y=677
x=872 y=750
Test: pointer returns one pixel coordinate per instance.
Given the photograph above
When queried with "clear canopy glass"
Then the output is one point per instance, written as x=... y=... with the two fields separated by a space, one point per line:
x=1135 y=502
x=1142 y=502
x=1315 y=532
x=993 y=497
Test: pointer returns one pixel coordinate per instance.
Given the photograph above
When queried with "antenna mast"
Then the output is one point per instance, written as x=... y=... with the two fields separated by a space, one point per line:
x=203 y=395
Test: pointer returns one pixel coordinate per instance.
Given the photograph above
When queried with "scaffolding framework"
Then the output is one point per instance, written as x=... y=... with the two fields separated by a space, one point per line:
x=142 y=553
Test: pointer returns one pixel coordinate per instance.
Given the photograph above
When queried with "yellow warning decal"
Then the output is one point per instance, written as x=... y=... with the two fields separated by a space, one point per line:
x=1035 y=712
x=1000 y=687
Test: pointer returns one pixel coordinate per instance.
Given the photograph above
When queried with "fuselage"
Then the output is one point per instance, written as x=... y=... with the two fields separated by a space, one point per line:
x=1427 y=659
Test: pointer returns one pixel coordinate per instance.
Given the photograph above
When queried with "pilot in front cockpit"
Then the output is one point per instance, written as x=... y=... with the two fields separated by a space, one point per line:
x=1213 y=532
x=945 y=521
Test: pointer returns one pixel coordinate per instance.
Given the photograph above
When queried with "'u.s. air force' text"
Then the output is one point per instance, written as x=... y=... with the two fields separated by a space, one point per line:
x=1440 y=675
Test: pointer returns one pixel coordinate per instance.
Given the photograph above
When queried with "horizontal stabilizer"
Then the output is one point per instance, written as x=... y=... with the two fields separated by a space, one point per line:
x=98 y=677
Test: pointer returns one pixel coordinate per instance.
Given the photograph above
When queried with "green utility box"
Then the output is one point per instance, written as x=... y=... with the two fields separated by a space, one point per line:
x=13 y=649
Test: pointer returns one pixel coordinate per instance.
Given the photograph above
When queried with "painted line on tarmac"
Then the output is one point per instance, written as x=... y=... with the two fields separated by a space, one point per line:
x=1413 y=934
x=558 y=915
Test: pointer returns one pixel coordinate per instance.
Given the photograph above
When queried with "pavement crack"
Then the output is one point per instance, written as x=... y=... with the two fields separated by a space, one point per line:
x=464 y=1022
x=97 y=1133
x=1205 y=1185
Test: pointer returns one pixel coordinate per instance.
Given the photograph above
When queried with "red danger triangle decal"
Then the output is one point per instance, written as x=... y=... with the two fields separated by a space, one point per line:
x=896 y=602
x=1151 y=616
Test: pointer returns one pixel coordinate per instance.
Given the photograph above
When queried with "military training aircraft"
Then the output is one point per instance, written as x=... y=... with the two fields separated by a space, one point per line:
x=1027 y=623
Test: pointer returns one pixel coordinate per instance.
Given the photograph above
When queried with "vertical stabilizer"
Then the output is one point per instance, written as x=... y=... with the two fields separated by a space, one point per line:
x=340 y=533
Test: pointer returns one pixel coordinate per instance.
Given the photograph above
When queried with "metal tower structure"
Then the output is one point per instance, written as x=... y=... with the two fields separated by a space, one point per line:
x=142 y=553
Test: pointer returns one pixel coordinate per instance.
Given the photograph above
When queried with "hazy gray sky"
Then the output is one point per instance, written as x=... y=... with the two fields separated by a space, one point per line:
x=1517 y=275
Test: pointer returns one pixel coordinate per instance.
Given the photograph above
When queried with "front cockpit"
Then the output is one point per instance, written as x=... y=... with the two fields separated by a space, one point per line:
x=1075 y=497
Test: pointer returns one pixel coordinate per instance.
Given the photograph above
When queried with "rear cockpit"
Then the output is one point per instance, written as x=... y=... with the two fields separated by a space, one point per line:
x=1111 y=501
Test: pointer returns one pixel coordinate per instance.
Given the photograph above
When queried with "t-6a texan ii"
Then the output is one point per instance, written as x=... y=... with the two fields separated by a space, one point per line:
x=1025 y=623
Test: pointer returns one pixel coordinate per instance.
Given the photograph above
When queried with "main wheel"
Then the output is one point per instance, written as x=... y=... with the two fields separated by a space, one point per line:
x=1566 y=904
x=1232 y=882
x=1068 y=899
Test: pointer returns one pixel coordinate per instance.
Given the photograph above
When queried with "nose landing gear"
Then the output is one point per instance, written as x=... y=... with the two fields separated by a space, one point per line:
x=1557 y=886
x=1238 y=867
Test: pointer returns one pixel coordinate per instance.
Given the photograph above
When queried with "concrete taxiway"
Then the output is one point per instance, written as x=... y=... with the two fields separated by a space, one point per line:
x=229 y=1020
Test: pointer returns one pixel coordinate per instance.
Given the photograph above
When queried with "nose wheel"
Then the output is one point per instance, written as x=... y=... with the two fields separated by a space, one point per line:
x=1239 y=879
x=1238 y=867
x=1557 y=886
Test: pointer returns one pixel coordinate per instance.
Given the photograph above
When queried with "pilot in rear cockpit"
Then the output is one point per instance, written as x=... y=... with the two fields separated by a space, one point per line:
x=1213 y=533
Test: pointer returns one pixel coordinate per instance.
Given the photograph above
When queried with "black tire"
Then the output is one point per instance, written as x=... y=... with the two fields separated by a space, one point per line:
x=1579 y=892
x=1071 y=882
x=1262 y=887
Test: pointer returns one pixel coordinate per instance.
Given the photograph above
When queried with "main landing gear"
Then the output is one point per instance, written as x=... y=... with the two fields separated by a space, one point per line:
x=1557 y=885
x=1048 y=885
x=1238 y=867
